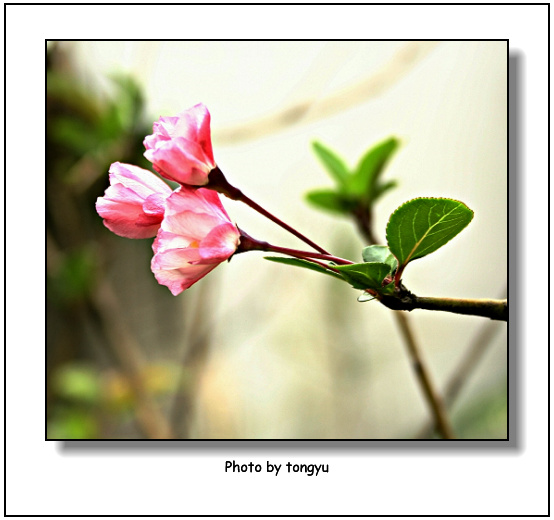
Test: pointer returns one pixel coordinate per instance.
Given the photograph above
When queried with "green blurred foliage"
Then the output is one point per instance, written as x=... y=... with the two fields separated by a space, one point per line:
x=86 y=131
x=89 y=399
x=74 y=277
x=484 y=418
x=356 y=189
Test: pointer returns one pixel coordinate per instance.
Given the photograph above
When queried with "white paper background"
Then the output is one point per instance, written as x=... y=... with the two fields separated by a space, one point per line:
x=377 y=478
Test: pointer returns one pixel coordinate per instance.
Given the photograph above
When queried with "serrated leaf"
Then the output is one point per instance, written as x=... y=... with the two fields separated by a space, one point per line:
x=365 y=276
x=379 y=254
x=331 y=200
x=298 y=262
x=421 y=226
x=365 y=181
x=332 y=162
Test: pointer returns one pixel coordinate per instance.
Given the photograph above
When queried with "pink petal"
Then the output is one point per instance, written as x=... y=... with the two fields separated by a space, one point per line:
x=176 y=258
x=177 y=280
x=154 y=205
x=189 y=224
x=220 y=243
x=141 y=181
x=175 y=161
x=123 y=219
x=199 y=200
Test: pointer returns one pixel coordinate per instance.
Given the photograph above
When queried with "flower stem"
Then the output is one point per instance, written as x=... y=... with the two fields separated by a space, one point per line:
x=219 y=183
x=248 y=243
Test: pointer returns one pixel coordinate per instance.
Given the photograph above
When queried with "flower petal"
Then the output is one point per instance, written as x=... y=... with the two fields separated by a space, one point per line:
x=220 y=243
x=177 y=280
x=141 y=181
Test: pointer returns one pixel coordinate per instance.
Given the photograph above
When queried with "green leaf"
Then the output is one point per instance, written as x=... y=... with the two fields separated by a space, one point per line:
x=331 y=200
x=367 y=297
x=421 y=226
x=298 y=262
x=383 y=187
x=365 y=276
x=334 y=164
x=379 y=254
x=388 y=289
x=365 y=181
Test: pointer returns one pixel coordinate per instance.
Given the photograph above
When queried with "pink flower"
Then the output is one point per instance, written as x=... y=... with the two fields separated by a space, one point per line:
x=196 y=235
x=133 y=205
x=180 y=148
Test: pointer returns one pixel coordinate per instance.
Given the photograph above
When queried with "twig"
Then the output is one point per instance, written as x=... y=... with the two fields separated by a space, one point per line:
x=433 y=398
x=462 y=371
x=149 y=416
x=404 y=300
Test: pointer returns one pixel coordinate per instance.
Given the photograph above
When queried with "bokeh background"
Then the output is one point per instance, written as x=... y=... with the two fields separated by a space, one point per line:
x=259 y=350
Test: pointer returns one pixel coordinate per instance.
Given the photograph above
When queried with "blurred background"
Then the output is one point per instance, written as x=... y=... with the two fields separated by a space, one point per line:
x=258 y=350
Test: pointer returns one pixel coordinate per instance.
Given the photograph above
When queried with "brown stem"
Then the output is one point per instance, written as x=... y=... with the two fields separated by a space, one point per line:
x=404 y=300
x=493 y=309
x=463 y=370
x=364 y=220
x=433 y=398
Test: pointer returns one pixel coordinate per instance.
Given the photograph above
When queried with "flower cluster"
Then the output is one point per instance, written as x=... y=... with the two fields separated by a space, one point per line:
x=193 y=231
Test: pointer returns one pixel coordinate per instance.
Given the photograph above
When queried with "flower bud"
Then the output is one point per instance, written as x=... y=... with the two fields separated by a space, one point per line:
x=180 y=148
x=133 y=204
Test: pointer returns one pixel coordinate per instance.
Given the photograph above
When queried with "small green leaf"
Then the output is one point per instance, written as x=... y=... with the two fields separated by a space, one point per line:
x=388 y=289
x=331 y=200
x=365 y=276
x=379 y=254
x=298 y=262
x=334 y=164
x=421 y=226
x=365 y=181
x=367 y=297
